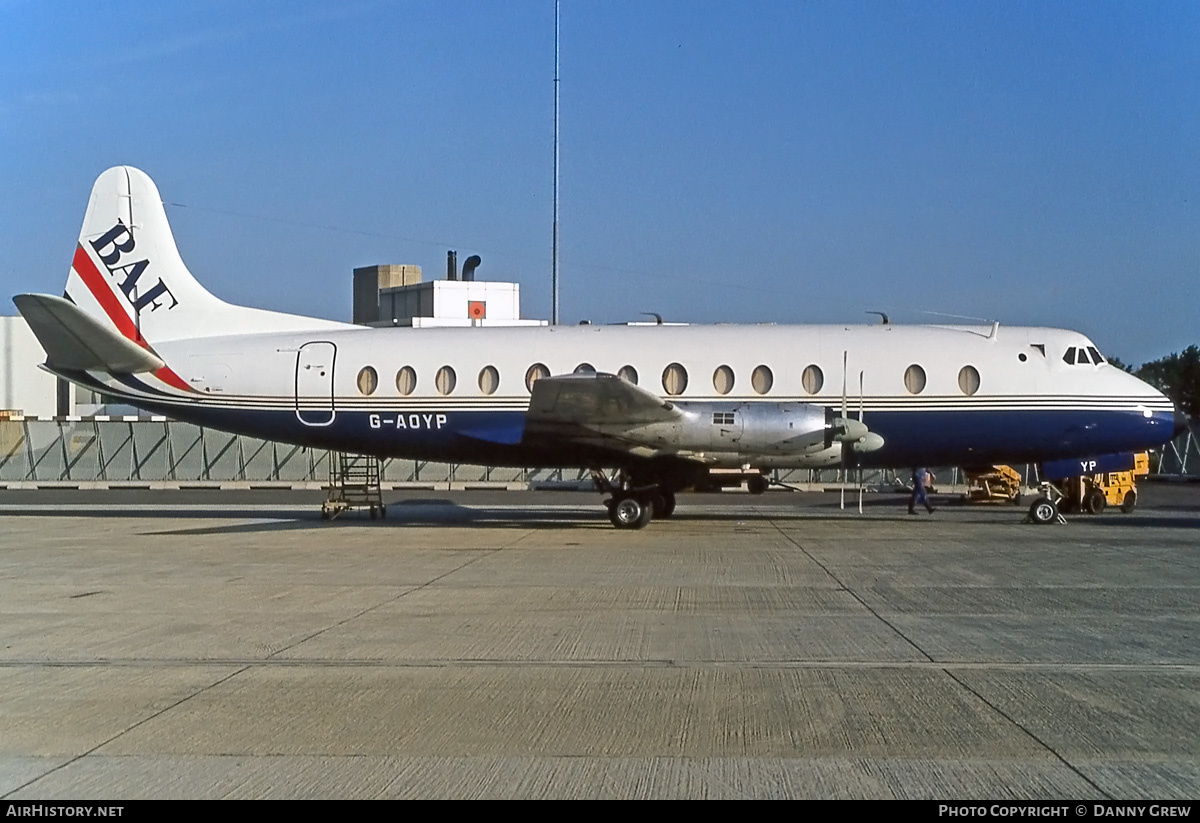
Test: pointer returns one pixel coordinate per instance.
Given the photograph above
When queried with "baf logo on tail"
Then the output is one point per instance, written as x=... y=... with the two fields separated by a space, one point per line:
x=110 y=247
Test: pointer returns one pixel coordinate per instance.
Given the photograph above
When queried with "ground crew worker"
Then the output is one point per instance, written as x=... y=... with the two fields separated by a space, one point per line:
x=920 y=477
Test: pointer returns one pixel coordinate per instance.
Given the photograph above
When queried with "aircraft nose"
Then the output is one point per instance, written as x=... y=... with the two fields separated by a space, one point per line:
x=1181 y=423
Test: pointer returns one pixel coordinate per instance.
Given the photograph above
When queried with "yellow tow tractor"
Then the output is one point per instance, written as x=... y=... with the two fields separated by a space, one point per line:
x=1093 y=493
x=993 y=484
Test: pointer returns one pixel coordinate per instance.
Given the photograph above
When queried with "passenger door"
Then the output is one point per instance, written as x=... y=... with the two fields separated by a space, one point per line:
x=314 y=383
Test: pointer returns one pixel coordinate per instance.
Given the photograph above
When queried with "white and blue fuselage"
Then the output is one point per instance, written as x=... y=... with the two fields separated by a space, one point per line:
x=661 y=404
x=987 y=395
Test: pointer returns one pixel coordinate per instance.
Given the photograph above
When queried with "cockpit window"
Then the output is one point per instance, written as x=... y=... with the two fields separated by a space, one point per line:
x=1083 y=357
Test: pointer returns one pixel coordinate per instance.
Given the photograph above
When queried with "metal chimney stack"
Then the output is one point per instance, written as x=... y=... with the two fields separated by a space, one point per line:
x=469 y=266
x=451 y=265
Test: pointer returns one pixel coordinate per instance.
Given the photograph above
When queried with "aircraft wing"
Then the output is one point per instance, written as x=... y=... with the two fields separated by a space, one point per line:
x=597 y=401
x=598 y=410
x=595 y=410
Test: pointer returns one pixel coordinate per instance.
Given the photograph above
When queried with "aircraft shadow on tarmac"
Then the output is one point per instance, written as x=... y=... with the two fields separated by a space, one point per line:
x=428 y=512
x=509 y=520
x=445 y=512
x=466 y=517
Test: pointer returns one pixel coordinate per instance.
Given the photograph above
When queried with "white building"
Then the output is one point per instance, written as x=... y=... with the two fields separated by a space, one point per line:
x=396 y=296
x=452 y=303
x=26 y=389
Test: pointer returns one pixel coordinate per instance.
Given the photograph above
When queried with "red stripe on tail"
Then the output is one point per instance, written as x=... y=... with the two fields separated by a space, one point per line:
x=98 y=286
x=91 y=277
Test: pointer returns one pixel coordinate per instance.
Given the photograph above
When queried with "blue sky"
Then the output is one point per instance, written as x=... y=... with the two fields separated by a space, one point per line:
x=1034 y=163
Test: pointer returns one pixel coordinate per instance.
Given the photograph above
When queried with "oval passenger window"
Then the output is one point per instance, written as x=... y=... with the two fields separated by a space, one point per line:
x=674 y=379
x=914 y=379
x=968 y=380
x=489 y=380
x=723 y=380
x=762 y=379
x=368 y=380
x=406 y=380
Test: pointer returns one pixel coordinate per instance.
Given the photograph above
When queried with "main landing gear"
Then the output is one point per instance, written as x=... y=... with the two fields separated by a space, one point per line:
x=633 y=506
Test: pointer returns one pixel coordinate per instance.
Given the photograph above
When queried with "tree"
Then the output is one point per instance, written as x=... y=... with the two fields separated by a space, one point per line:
x=1178 y=377
x=1112 y=361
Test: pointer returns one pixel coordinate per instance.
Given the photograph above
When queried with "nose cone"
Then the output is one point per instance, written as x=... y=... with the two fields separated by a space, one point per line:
x=845 y=430
x=869 y=442
x=1181 y=424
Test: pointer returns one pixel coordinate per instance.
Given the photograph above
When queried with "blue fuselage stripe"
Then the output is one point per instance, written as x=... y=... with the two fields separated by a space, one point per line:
x=497 y=437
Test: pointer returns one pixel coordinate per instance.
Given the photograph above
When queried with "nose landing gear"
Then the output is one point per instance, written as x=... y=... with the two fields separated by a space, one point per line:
x=1045 y=509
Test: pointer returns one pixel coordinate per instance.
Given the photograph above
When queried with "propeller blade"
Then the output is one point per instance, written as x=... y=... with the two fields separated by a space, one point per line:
x=845 y=445
x=845 y=356
x=864 y=425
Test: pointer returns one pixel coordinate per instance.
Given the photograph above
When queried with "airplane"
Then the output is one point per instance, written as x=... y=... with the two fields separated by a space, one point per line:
x=650 y=409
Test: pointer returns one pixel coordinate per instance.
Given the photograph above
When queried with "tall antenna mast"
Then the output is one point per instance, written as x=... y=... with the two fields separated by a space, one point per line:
x=554 y=241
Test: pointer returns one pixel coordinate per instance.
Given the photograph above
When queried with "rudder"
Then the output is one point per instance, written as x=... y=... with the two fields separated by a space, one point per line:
x=127 y=272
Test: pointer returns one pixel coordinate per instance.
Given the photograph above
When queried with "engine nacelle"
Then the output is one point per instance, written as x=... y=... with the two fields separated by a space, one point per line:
x=746 y=428
x=781 y=428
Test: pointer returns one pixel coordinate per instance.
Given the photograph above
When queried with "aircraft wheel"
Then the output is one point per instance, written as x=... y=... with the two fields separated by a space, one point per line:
x=374 y=513
x=1017 y=498
x=664 y=505
x=383 y=512
x=757 y=484
x=647 y=514
x=1043 y=511
x=1095 y=502
x=631 y=513
x=1066 y=505
x=1130 y=502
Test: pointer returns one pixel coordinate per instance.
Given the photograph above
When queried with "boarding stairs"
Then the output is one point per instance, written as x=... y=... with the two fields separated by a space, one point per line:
x=354 y=483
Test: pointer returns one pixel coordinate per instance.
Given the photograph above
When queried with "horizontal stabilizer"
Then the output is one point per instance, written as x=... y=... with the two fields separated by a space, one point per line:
x=75 y=341
x=596 y=400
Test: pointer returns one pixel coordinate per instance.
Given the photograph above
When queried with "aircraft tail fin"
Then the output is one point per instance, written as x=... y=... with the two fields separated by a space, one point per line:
x=128 y=276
